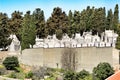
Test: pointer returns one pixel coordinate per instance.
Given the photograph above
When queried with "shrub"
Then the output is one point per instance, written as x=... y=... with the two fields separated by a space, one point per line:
x=13 y=75
x=102 y=71
x=89 y=78
x=17 y=75
x=69 y=75
x=29 y=74
x=11 y=62
x=82 y=74
x=39 y=73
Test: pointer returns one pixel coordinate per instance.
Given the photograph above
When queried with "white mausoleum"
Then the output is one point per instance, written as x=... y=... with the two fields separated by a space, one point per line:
x=107 y=39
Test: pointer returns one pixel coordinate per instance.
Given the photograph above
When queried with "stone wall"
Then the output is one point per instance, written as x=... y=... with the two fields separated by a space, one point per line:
x=32 y=57
x=86 y=58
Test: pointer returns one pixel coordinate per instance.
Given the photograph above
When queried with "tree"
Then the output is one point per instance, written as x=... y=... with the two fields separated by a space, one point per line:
x=15 y=22
x=118 y=43
x=4 y=31
x=39 y=20
x=116 y=17
x=76 y=20
x=109 y=21
x=98 y=21
x=11 y=63
x=58 y=20
x=88 y=18
x=59 y=34
x=102 y=71
x=28 y=31
x=71 y=28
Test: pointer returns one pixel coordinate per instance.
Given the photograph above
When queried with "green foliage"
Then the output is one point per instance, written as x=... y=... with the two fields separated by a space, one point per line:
x=4 y=31
x=2 y=70
x=29 y=74
x=59 y=34
x=20 y=74
x=11 y=63
x=15 y=22
x=88 y=78
x=58 y=20
x=18 y=69
x=118 y=43
x=82 y=74
x=109 y=21
x=12 y=75
x=17 y=75
x=69 y=75
x=39 y=21
x=102 y=71
x=28 y=31
x=116 y=17
x=51 y=78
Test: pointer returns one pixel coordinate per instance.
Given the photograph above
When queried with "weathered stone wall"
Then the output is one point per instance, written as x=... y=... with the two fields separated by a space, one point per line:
x=32 y=57
x=86 y=58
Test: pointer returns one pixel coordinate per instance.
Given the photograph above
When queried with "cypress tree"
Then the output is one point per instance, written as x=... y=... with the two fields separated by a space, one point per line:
x=39 y=20
x=116 y=17
x=28 y=31
x=109 y=20
x=71 y=30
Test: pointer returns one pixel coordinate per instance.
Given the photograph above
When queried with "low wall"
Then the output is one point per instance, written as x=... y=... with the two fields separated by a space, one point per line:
x=87 y=58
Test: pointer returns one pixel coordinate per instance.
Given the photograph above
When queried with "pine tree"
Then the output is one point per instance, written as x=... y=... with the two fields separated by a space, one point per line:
x=58 y=20
x=15 y=22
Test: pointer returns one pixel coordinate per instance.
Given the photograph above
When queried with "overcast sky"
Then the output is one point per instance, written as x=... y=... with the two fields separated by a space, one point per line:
x=9 y=6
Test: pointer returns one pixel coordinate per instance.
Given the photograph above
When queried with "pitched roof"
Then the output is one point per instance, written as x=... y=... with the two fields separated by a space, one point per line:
x=115 y=76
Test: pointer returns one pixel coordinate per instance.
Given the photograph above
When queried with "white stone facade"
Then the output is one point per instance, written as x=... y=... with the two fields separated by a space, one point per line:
x=107 y=39
x=15 y=44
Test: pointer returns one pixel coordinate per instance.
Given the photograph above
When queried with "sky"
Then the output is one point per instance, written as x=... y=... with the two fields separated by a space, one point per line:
x=9 y=6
